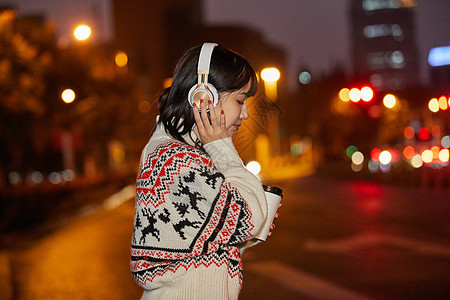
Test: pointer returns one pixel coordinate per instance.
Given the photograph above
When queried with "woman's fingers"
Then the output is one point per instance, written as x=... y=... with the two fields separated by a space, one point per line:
x=222 y=120
x=209 y=125
x=198 y=119
x=204 y=114
x=212 y=114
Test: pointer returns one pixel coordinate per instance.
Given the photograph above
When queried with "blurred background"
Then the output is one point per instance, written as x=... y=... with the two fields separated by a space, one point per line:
x=353 y=95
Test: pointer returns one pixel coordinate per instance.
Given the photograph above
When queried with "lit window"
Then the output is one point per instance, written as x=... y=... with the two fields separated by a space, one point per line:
x=381 y=30
x=369 y=5
x=396 y=60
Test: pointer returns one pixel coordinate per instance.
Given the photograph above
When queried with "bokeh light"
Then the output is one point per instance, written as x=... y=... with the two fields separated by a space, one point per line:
x=424 y=134
x=416 y=161
x=445 y=141
x=253 y=167
x=37 y=177
x=304 y=77
x=444 y=155
x=15 y=178
x=357 y=158
x=366 y=94
x=389 y=101
x=385 y=168
x=373 y=166
x=55 y=178
x=375 y=154
x=409 y=132
x=296 y=148
x=385 y=157
x=408 y=152
x=356 y=168
x=121 y=59
x=395 y=155
x=344 y=94
x=270 y=74
x=68 y=95
x=427 y=156
x=355 y=95
x=436 y=131
x=433 y=105
x=443 y=103
x=350 y=150
x=435 y=150
x=82 y=32
x=144 y=106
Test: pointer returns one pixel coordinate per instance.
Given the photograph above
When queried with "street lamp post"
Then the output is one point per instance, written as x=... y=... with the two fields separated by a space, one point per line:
x=270 y=77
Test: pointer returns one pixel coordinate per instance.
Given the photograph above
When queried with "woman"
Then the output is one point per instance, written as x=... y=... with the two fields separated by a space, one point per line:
x=195 y=200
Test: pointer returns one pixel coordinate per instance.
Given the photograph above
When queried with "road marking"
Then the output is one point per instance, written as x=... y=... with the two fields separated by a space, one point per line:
x=113 y=201
x=127 y=193
x=302 y=282
x=367 y=240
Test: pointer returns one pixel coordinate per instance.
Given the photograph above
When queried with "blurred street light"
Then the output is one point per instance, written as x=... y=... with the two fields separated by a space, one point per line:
x=366 y=94
x=82 y=32
x=68 y=96
x=254 y=167
x=270 y=77
x=389 y=101
x=121 y=59
x=435 y=104
x=304 y=77
x=356 y=94
x=270 y=74
x=443 y=103
x=344 y=94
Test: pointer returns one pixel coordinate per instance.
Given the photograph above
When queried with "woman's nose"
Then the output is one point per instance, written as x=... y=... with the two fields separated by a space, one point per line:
x=244 y=112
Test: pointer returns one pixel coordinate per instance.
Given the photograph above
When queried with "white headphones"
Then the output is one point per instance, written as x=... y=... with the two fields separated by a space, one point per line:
x=203 y=89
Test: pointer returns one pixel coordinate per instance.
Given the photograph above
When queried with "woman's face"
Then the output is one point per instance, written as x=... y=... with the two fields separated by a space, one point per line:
x=234 y=105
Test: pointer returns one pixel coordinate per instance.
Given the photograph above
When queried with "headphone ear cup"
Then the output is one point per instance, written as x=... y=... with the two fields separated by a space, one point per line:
x=196 y=93
x=213 y=90
x=191 y=94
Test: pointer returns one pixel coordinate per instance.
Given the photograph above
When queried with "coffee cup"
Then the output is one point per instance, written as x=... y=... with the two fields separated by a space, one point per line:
x=273 y=198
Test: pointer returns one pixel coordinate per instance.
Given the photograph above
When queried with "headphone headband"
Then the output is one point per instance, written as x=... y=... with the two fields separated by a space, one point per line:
x=204 y=59
x=203 y=89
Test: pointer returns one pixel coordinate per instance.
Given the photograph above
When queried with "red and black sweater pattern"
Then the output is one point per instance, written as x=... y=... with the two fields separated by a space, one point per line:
x=187 y=215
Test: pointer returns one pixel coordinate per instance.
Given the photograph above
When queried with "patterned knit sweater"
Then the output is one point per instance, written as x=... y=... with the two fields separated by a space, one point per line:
x=192 y=212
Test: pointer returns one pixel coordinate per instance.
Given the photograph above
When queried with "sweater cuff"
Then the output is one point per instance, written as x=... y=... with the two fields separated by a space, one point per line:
x=223 y=154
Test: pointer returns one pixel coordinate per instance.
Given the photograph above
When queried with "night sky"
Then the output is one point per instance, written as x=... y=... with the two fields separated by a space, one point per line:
x=315 y=34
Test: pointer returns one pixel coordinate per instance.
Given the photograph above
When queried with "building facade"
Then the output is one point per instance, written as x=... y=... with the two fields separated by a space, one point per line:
x=383 y=43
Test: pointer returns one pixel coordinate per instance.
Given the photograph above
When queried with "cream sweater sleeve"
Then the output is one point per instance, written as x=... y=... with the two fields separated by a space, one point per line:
x=227 y=161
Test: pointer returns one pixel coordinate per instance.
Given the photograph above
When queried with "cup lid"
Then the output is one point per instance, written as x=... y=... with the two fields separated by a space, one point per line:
x=273 y=189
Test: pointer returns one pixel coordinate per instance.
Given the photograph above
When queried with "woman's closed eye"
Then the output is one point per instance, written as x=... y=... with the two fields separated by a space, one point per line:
x=241 y=101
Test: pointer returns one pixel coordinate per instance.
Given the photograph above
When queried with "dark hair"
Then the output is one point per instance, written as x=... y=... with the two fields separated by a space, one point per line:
x=229 y=71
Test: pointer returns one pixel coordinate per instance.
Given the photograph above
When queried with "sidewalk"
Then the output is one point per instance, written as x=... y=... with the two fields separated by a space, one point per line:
x=5 y=276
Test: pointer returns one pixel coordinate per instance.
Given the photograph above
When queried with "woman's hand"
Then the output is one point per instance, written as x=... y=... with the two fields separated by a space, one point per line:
x=208 y=131
x=272 y=226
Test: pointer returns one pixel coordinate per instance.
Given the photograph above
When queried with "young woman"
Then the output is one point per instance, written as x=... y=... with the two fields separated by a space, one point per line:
x=195 y=200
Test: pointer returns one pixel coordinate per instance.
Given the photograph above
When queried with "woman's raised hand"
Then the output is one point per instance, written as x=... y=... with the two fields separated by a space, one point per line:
x=206 y=130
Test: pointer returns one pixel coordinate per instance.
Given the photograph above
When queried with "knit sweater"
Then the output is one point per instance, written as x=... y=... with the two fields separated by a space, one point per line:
x=193 y=210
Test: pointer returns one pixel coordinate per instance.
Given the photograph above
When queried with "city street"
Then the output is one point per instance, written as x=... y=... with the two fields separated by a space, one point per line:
x=334 y=239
